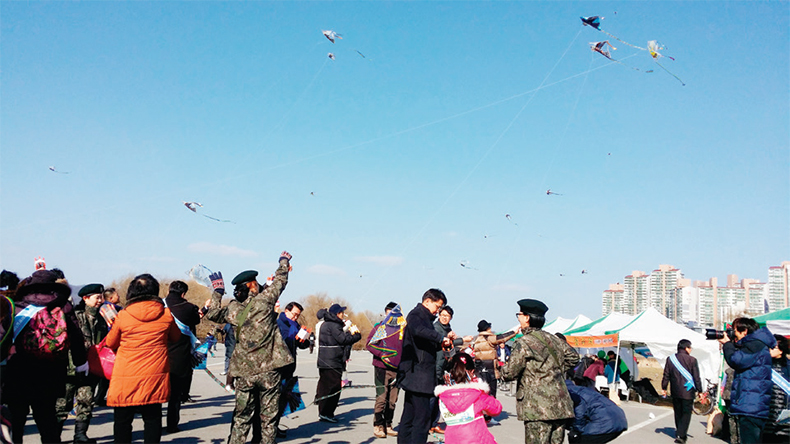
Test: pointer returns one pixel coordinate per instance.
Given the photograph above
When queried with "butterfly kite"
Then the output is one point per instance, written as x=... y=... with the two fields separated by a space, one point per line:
x=192 y=206
x=652 y=46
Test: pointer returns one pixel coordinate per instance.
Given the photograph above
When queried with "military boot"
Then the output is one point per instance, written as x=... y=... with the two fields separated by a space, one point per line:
x=80 y=433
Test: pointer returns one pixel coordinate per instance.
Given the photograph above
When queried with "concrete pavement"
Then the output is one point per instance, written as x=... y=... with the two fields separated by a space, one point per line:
x=207 y=420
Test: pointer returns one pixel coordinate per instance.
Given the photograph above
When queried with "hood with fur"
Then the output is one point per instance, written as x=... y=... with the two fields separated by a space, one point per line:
x=459 y=397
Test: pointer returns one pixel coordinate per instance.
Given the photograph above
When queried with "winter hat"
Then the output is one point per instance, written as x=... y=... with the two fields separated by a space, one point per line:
x=43 y=281
x=601 y=354
x=483 y=325
x=391 y=305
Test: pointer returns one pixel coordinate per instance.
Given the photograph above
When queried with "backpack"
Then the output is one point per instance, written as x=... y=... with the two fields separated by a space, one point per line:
x=45 y=335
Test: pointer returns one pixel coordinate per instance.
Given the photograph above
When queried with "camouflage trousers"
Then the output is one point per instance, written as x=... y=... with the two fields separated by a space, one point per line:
x=264 y=389
x=544 y=432
x=79 y=393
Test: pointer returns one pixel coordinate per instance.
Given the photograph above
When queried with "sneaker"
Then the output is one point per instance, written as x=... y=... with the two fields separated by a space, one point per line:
x=323 y=418
x=223 y=373
x=378 y=432
x=173 y=429
x=437 y=430
x=390 y=432
x=281 y=433
x=493 y=422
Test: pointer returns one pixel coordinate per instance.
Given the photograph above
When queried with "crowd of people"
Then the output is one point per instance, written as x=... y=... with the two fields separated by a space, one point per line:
x=449 y=382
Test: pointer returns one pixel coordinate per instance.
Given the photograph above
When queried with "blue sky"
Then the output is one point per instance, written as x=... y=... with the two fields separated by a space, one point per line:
x=459 y=114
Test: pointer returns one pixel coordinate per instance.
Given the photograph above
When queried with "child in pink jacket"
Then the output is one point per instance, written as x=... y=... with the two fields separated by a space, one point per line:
x=463 y=402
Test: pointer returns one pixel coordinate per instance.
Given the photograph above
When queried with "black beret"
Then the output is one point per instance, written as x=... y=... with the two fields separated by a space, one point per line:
x=91 y=289
x=533 y=307
x=483 y=325
x=244 y=277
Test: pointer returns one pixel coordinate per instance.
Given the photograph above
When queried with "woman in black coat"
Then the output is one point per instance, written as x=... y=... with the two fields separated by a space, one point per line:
x=332 y=342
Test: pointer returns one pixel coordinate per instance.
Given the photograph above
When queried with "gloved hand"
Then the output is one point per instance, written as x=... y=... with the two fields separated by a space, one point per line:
x=285 y=255
x=217 y=282
x=83 y=369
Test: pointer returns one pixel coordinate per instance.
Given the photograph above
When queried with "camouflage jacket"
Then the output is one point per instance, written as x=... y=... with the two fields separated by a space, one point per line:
x=93 y=327
x=259 y=345
x=538 y=362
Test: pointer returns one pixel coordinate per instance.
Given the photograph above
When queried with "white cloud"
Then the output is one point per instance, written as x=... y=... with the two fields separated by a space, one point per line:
x=385 y=261
x=222 y=250
x=326 y=270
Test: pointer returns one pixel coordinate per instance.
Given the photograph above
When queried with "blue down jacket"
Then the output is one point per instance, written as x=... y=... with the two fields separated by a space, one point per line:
x=595 y=413
x=751 y=387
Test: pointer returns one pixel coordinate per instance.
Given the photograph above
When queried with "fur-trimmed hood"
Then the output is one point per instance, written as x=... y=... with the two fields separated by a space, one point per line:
x=459 y=397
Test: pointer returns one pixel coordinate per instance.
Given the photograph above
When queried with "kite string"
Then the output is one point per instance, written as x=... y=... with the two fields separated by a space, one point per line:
x=179 y=192
x=474 y=168
x=505 y=270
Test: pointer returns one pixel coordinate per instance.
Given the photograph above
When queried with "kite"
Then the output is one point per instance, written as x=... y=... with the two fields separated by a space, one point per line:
x=466 y=265
x=192 y=206
x=595 y=22
x=585 y=272
x=332 y=35
x=600 y=48
x=363 y=55
x=507 y=216
x=200 y=274
x=549 y=193
x=54 y=170
x=562 y=275
x=653 y=47
x=331 y=56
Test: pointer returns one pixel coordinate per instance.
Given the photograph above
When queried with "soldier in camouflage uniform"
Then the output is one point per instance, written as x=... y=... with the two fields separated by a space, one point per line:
x=260 y=349
x=538 y=362
x=94 y=329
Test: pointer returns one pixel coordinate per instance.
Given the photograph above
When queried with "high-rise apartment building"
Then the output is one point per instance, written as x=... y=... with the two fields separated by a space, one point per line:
x=704 y=303
x=778 y=286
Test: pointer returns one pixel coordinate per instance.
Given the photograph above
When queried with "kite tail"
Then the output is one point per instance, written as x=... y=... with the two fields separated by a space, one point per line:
x=627 y=66
x=622 y=41
x=670 y=73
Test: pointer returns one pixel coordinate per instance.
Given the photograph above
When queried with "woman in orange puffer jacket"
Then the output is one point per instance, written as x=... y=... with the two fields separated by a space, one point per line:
x=141 y=375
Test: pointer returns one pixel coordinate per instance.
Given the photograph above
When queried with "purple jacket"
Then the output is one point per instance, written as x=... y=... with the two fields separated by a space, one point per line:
x=386 y=352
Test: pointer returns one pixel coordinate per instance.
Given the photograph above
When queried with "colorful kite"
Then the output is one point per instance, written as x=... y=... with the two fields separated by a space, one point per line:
x=653 y=47
x=600 y=48
x=595 y=22
x=332 y=35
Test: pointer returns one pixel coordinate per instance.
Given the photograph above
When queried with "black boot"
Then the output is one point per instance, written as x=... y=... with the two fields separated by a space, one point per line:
x=80 y=432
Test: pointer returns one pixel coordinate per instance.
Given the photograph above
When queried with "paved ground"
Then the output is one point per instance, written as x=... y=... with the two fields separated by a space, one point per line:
x=208 y=419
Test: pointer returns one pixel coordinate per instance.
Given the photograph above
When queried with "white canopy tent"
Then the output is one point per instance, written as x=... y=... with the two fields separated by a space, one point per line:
x=598 y=327
x=661 y=336
x=560 y=325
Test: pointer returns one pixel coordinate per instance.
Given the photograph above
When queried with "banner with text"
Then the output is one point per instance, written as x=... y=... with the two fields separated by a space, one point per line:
x=592 y=341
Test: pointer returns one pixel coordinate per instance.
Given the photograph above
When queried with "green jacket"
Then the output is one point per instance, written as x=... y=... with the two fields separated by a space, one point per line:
x=538 y=362
x=259 y=345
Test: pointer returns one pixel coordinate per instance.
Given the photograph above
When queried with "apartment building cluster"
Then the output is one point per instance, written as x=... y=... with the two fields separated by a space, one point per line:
x=698 y=303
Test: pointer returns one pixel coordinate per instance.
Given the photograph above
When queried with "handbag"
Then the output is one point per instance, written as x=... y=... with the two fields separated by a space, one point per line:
x=101 y=360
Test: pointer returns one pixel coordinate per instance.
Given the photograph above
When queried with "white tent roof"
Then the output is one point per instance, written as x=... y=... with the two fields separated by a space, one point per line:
x=662 y=335
x=612 y=321
x=560 y=325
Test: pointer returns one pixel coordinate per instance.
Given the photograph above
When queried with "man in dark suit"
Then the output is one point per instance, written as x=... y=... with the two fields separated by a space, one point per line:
x=417 y=368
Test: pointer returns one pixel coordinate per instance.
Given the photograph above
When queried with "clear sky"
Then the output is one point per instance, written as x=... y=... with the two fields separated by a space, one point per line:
x=382 y=173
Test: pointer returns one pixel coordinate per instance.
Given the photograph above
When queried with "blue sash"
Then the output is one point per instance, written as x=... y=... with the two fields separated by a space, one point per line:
x=779 y=380
x=683 y=372
x=23 y=317
x=184 y=330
